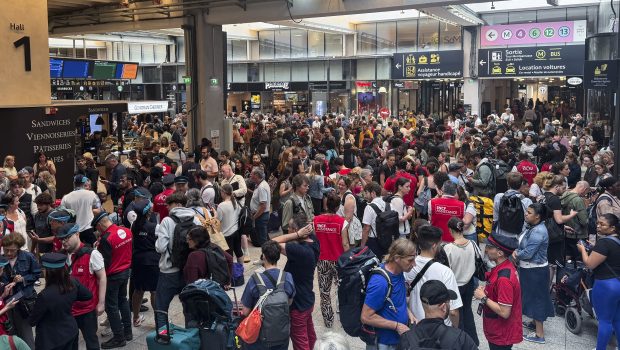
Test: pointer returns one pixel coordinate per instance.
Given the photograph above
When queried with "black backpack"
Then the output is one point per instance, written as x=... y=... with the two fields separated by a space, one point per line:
x=360 y=204
x=388 y=221
x=245 y=220
x=556 y=233
x=217 y=266
x=511 y=215
x=592 y=216
x=180 y=249
x=418 y=339
x=355 y=267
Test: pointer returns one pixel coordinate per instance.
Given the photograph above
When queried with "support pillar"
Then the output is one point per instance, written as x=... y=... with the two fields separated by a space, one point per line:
x=205 y=56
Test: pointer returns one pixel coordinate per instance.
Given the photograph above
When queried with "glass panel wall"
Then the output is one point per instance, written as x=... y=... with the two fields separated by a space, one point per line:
x=299 y=71
x=552 y=15
x=239 y=73
x=282 y=71
x=407 y=38
x=366 y=39
x=589 y=13
x=522 y=17
x=428 y=34
x=316 y=44
x=266 y=45
x=450 y=37
x=366 y=69
x=239 y=50
x=333 y=45
x=299 y=43
x=386 y=37
x=253 y=72
x=316 y=71
x=283 y=43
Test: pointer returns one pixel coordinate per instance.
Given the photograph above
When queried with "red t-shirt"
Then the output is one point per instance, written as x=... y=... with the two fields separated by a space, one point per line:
x=328 y=229
x=390 y=185
x=528 y=170
x=159 y=203
x=503 y=287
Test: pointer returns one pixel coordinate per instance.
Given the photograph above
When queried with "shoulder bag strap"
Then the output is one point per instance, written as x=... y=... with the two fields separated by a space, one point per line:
x=12 y=342
x=272 y=280
x=419 y=276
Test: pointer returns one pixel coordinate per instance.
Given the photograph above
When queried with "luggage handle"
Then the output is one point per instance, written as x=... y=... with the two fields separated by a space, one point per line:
x=161 y=338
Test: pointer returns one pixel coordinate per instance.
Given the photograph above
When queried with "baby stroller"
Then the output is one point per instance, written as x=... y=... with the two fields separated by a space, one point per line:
x=573 y=294
x=209 y=308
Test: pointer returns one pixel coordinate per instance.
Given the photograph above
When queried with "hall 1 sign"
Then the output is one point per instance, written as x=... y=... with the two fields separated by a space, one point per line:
x=428 y=65
x=24 y=62
x=534 y=61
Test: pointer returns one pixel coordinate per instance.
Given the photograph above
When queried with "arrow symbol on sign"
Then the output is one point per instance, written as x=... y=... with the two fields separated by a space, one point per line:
x=483 y=62
x=398 y=66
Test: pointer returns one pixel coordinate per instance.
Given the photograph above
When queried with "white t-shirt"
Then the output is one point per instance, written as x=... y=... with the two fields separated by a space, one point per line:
x=82 y=202
x=462 y=261
x=471 y=209
x=370 y=216
x=398 y=205
x=437 y=271
x=207 y=194
x=229 y=217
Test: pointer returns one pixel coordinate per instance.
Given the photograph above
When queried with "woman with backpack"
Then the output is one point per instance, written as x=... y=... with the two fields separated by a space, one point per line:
x=405 y=213
x=228 y=214
x=604 y=260
x=197 y=265
x=462 y=258
x=348 y=209
x=533 y=266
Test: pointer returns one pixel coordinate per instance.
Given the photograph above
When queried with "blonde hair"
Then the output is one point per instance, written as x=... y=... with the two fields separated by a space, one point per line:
x=551 y=180
x=48 y=178
x=400 y=248
x=540 y=178
x=6 y=159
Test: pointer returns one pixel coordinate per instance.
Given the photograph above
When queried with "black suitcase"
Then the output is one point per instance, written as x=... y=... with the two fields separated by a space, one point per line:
x=221 y=334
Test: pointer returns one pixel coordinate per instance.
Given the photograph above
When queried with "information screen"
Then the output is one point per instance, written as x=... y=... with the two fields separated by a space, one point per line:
x=104 y=70
x=55 y=68
x=130 y=71
x=75 y=69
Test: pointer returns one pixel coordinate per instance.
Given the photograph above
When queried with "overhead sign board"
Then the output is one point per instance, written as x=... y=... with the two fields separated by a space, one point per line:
x=147 y=107
x=533 y=33
x=600 y=75
x=531 y=61
x=428 y=65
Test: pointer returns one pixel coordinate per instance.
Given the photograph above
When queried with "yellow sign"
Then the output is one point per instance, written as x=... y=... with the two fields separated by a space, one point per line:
x=423 y=59
x=511 y=70
x=434 y=58
x=410 y=59
x=496 y=70
x=410 y=71
x=540 y=54
x=24 y=63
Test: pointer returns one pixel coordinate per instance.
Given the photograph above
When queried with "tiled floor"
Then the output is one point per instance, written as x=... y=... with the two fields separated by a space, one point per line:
x=557 y=336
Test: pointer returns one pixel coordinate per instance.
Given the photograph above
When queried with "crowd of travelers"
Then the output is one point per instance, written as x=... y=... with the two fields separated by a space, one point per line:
x=412 y=199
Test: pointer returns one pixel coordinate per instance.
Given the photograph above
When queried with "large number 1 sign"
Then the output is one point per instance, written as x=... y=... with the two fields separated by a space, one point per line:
x=25 y=42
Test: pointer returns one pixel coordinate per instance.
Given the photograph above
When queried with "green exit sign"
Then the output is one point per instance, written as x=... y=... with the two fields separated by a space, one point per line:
x=214 y=82
x=187 y=80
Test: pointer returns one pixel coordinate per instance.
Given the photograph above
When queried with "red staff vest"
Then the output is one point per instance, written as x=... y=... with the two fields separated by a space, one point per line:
x=80 y=262
x=442 y=209
x=528 y=170
x=120 y=239
x=328 y=229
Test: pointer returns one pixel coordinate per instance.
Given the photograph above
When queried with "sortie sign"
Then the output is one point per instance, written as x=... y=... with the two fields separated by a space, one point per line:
x=537 y=61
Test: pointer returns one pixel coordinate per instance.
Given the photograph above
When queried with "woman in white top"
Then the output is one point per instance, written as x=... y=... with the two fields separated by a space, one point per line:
x=462 y=257
x=228 y=214
x=16 y=216
x=403 y=186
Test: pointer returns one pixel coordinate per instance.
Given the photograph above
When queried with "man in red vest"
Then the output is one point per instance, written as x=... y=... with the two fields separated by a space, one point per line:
x=115 y=245
x=159 y=202
x=402 y=172
x=88 y=268
x=526 y=168
x=441 y=209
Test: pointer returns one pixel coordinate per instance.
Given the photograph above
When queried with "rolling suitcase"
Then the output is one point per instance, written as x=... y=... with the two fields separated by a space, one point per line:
x=220 y=335
x=174 y=337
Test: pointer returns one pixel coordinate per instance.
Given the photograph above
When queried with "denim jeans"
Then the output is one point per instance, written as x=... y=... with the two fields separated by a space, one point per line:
x=117 y=305
x=260 y=225
x=87 y=323
x=168 y=285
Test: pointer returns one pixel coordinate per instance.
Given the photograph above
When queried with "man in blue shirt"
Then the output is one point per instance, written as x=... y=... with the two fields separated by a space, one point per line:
x=389 y=313
x=251 y=294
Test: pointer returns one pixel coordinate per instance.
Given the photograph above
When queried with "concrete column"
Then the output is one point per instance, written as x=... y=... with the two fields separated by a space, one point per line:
x=205 y=64
x=471 y=94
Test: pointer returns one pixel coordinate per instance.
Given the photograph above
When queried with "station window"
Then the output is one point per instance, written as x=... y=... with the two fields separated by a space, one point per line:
x=266 y=42
x=333 y=45
x=316 y=44
x=407 y=35
x=299 y=43
x=366 y=39
x=283 y=43
x=428 y=34
x=451 y=37
x=386 y=37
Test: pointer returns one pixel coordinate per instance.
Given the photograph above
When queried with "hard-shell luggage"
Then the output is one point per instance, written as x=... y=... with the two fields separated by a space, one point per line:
x=484 y=216
x=173 y=337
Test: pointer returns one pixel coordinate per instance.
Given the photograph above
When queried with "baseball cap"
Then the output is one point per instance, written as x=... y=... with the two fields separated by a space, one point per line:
x=434 y=292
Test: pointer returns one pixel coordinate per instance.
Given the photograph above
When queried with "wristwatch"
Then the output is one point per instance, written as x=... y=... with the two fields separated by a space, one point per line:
x=483 y=300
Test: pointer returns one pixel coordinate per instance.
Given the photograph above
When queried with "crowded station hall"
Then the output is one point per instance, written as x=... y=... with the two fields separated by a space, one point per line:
x=309 y=175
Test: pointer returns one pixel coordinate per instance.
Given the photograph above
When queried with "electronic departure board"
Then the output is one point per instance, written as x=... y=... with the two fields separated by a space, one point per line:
x=130 y=71
x=103 y=70
x=75 y=69
x=55 y=68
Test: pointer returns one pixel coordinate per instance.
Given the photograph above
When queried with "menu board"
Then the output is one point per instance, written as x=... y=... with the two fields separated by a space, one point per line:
x=55 y=68
x=103 y=70
x=75 y=69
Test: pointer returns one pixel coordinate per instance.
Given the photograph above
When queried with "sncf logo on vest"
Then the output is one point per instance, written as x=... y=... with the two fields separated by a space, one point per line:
x=445 y=209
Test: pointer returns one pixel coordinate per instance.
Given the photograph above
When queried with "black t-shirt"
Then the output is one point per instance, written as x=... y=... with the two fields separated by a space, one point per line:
x=302 y=259
x=387 y=171
x=553 y=203
x=144 y=243
x=610 y=268
x=43 y=230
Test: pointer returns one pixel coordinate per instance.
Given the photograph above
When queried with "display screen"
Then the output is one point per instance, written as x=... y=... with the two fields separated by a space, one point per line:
x=126 y=71
x=75 y=69
x=55 y=68
x=103 y=70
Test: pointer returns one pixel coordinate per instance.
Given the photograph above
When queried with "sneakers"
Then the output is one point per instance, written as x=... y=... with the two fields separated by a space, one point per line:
x=138 y=322
x=532 y=337
x=128 y=336
x=114 y=343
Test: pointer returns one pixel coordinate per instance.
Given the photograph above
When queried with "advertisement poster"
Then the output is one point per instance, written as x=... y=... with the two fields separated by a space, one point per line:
x=600 y=75
x=531 y=61
x=428 y=65
x=533 y=33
